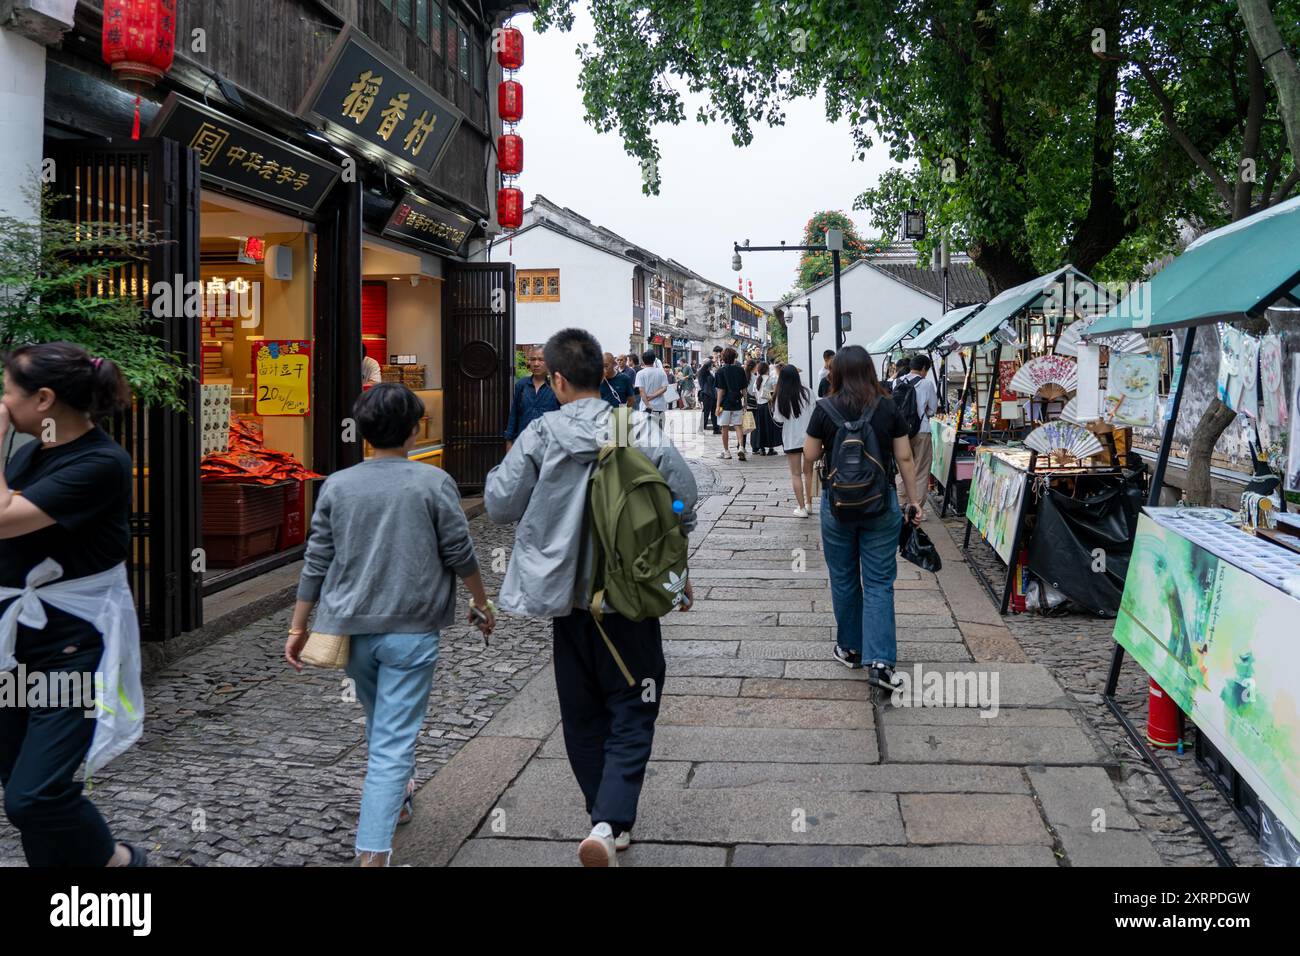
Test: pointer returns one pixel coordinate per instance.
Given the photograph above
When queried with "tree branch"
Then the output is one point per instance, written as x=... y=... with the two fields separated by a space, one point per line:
x=1176 y=131
x=1250 y=138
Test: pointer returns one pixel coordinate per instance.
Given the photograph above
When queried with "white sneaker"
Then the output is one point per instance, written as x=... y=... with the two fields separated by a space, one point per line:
x=801 y=512
x=623 y=840
x=598 y=849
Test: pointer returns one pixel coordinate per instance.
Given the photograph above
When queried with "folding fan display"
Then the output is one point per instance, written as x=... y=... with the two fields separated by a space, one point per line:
x=1072 y=439
x=1070 y=413
x=1068 y=343
x=1046 y=370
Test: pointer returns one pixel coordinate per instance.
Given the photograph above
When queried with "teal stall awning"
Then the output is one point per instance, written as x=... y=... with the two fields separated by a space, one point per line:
x=948 y=322
x=1226 y=274
x=896 y=333
x=1067 y=285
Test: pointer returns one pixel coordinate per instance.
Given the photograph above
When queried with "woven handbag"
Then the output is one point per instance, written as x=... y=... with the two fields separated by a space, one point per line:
x=748 y=423
x=326 y=650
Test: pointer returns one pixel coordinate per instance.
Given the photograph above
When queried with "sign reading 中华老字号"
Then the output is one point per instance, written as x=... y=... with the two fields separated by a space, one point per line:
x=282 y=377
x=244 y=159
x=418 y=220
x=369 y=99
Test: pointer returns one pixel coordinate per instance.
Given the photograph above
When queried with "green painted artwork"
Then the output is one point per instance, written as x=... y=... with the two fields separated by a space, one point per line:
x=1225 y=646
x=943 y=441
x=996 y=490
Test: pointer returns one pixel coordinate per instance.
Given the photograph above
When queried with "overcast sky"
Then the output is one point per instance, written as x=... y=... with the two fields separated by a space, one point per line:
x=712 y=192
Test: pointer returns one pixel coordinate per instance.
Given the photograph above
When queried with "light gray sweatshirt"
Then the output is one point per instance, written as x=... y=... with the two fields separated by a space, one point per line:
x=542 y=484
x=388 y=539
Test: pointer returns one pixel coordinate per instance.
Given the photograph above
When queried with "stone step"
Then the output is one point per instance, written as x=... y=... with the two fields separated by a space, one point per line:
x=759 y=712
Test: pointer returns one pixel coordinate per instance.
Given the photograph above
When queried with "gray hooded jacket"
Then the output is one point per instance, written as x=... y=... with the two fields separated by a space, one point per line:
x=542 y=484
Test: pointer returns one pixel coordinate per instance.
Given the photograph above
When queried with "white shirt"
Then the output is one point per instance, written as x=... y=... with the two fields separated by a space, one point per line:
x=651 y=380
x=794 y=431
x=927 y=398
x=762 y=393
x=371 y=373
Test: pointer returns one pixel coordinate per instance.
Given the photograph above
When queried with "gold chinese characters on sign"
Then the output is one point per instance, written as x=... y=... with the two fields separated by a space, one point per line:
x=361 y=97
x=418 y=221
x=210 y=143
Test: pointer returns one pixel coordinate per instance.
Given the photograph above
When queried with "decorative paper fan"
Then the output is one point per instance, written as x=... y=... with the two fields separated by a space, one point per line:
x=1068 y=343
x=1046 y=370
x=1072 y=439
x=1070 y=413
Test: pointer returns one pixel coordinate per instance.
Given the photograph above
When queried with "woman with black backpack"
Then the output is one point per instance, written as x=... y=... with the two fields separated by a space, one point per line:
x=858 y=436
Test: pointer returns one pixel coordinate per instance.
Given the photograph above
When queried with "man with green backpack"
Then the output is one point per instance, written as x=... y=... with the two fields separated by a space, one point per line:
x=604 y=504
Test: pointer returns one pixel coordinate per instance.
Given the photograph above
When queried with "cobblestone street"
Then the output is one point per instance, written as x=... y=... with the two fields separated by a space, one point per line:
x=767 y=750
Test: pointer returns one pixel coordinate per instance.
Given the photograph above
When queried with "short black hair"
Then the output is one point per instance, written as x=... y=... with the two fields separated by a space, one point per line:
x=921 y=363
x=828 y=354
x=387 y=414
x=632 y=359
x=575 y=354
x=648 y=357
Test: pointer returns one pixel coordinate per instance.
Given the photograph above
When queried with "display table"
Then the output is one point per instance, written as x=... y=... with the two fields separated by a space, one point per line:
x=1210 y=612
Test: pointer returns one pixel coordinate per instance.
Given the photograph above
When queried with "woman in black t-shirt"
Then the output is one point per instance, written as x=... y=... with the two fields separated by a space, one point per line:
x=64 y=497
x=860 y=556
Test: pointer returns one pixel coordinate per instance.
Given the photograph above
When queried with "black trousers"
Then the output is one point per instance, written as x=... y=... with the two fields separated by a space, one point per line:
x=609 y=726
x=41 y=749
x=709 y=401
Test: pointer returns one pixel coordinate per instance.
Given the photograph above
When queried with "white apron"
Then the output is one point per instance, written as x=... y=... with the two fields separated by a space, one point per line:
x=104 y=601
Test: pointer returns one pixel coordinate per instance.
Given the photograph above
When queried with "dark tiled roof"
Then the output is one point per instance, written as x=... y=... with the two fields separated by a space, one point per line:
x=966 y=283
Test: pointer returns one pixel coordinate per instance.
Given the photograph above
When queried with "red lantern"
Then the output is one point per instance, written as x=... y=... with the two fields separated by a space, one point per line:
x=510 y=154
x=510 y=207
x=139 y=39
x=510 y=101
x=510 y=48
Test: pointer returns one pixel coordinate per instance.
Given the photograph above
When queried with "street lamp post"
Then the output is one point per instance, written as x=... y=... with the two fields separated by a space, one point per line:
x=834 y=245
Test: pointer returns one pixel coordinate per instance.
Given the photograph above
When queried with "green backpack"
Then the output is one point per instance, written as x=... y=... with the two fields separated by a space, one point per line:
x=638 y=545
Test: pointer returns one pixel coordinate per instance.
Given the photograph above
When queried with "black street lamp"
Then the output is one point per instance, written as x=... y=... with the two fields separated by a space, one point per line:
x=834 y=245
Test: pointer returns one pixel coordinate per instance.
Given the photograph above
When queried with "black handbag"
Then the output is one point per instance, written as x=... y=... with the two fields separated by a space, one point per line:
x=915 y=546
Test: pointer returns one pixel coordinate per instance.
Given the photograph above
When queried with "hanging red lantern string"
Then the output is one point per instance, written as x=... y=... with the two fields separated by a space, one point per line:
x=509 y=45
x=139 y=43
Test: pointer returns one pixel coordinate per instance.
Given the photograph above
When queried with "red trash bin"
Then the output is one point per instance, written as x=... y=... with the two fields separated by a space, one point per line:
x=1164 y=719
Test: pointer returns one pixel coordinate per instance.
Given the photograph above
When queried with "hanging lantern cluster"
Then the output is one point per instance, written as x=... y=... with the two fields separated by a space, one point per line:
x=139 y=42
x=509 y=45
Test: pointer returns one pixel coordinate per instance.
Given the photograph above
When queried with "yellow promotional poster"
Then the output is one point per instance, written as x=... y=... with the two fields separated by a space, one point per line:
x=282 y=377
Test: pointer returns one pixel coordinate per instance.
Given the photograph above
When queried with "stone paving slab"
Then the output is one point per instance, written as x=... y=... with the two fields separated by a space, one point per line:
x=533 y=714
x=738 y=607
x=722 y=817
x=821 y=650
x=700 y=618
x=549 y=774
x=693 y=648
x=991 y=642
x=536 y=853
x=674 y=683
x=1112 y=848
x=722 y=667
x=756 y=712
x=888 y=857
x=762 y=744
x=924 y=743
x=1071 y=797
x=883 y=778
x=737 y=629
x=986 y=819
x=1019 y=685
x=973 y=716
x=805 y=689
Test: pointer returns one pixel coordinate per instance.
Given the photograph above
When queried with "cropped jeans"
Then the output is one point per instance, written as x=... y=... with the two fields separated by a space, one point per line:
x=861 y=559
x=393 y=675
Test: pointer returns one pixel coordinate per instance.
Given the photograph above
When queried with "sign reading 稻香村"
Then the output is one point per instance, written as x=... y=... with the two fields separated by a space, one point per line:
x=244 y=159
x=282 y=377
x=366 y=97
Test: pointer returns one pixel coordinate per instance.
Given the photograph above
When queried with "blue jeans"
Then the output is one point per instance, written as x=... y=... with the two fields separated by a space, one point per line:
x=393 y=675
x=862 y=562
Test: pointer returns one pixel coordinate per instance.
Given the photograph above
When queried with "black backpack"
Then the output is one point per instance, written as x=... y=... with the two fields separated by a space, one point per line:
x=857 y=482
x=904 y=393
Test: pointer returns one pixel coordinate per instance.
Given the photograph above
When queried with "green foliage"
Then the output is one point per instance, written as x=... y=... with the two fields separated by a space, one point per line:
x=815 y=266
x=521 y=364
x=1025 y=130
x=57 y=283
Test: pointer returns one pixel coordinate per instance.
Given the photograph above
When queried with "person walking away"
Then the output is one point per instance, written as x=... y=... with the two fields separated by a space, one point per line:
x=708 y=398
x=823 y=377
x=688 y=386
x=608 y=718
x=761 y=389
x=730 y=383
x=792 y=406
x=651 y=383
x=532 y=397
x=857 y=435
x=388 y=540
x=615 y=387
x=916 y=399
x=65 y=505
x=751 y=402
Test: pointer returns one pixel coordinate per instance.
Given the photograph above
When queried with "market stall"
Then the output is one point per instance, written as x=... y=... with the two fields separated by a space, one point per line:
x=1211 y=597
x=888 y=345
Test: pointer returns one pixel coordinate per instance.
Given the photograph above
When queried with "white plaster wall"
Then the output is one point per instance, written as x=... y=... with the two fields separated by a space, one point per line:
x=22 y=121
x=595 y=290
